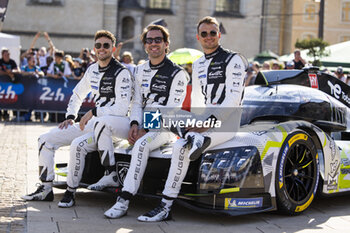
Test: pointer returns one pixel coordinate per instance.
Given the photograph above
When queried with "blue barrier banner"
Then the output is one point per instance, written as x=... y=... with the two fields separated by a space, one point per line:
x=43 y=94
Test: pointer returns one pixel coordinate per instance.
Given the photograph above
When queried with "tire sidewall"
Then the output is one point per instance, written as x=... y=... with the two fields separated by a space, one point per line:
x=284 y=202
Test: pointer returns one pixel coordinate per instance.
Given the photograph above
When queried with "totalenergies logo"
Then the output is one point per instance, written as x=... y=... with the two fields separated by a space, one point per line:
x=9 y=92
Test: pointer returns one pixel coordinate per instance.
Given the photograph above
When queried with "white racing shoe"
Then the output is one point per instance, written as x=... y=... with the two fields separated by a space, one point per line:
x=160 y=213
x=196 y=143
x=43 y=193
x=106 y=181
x=119 y=209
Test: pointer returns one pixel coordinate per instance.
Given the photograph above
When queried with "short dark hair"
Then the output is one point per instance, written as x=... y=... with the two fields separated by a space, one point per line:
x=105 y=33
x=153 y=27
x=59 y=53
x=207 y=20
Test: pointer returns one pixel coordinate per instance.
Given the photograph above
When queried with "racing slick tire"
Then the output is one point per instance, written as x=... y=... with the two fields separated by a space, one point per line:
x=297 y=173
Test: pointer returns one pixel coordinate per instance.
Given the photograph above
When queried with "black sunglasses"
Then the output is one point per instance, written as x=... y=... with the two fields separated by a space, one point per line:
x=156 y=40
x=205 y=34
x=105 y=45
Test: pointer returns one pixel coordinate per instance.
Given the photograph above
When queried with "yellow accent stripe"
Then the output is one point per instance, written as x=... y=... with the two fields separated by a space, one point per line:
x=325 y=140
x=266 y=82
x=303 y=156
x=230 y=190
x=307 y=164
x=303 y=207
x=270 y=144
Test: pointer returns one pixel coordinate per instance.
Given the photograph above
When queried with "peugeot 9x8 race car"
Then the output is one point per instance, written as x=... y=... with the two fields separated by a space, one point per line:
x=292 y=145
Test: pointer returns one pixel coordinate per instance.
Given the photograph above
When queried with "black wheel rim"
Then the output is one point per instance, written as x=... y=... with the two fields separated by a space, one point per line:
x=299 y=172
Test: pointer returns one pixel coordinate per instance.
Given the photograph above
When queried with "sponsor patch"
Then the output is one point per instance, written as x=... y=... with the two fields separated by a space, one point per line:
x=202 y=76
x=234 y=203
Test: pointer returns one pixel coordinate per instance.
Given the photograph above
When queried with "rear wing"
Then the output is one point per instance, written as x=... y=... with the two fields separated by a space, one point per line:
x=309 y=77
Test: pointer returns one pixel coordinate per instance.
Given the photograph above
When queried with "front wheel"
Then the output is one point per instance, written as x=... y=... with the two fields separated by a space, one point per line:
x=297 y=173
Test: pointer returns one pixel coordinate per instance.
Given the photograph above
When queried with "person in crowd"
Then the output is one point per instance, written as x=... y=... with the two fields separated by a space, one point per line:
x=266 y=66
x=31 y=50
x=31 y=68
x=141 y=61
x=275 y=65
x=117 y=50
x=59 y=68
x=49 y=60
x=340 y=74
x=77 y=70
x=290 y=65
x=299 y=62
x=93 y=56
x=159 y=84
x=40 y=54
x=69 y=59
x=252 y=71
x=128 y=61
x=8 y=67
x=110 y=84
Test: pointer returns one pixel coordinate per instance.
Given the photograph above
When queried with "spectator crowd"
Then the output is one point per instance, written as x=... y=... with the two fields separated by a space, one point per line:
x=54 y=63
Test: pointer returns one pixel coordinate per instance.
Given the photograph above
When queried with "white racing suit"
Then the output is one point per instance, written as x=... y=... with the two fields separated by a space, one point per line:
x=111 y=96
x=157 y=87
x=217 y=83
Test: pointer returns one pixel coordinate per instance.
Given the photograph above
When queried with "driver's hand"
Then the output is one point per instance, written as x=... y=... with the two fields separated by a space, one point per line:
x=132 y=135
x=65 y=124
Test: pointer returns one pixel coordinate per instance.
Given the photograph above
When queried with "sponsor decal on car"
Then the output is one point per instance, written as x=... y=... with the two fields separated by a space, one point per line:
x=297 y=137
x=313 y=80
x=234 y=203
x=280 y=170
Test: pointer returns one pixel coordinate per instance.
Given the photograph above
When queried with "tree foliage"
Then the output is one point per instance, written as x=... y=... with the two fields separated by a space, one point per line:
x=316 y=47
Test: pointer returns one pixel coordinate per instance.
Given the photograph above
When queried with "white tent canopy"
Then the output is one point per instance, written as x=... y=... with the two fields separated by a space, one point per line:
x=339 y=56
x=13 y=43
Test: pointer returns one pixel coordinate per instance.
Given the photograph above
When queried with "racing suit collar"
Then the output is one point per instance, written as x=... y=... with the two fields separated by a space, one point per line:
x=155 y=67
x=103 y=69
x=211 y=55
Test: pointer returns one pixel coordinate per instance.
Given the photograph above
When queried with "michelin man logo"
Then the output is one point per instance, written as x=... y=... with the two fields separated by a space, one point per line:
x=151 y=120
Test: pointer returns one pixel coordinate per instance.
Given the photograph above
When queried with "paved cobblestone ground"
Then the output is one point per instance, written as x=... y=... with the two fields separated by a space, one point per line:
x=13 y=159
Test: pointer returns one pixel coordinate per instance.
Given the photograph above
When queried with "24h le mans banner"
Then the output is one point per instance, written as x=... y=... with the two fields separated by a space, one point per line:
x=43 y=94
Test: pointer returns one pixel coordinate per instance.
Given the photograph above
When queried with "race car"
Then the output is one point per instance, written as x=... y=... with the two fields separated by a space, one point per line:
x=292 y=145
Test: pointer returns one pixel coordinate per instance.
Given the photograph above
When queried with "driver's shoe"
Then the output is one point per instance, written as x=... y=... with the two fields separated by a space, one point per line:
x=196 y=144
x=119 y=209
x=160 y=213
x=43 y=193
x=109 y=180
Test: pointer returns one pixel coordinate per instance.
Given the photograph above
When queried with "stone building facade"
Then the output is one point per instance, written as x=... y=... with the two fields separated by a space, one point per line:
x=72 y=23
x=251 y=25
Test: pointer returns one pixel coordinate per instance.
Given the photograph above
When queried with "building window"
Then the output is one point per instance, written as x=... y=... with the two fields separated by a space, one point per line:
x=227 y=8
x=344 y=38
x=310 y=12
x=159 y=4
x=308 y=36
x=345 y=11
x=128 y=25
x=46 y=2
